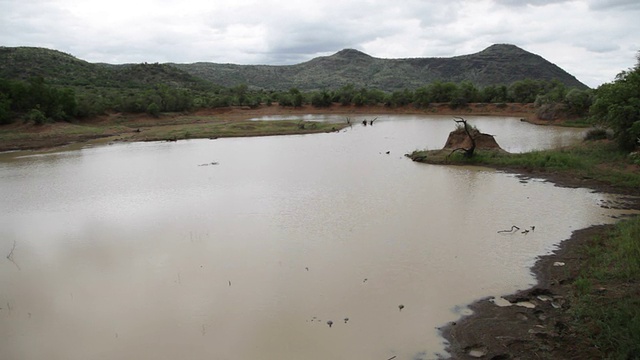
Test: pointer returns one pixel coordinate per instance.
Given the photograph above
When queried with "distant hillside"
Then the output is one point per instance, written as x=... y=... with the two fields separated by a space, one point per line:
x=59 y=68
x=498 y=64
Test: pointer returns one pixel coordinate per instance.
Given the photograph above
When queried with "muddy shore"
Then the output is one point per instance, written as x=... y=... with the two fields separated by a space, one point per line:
x=536 y=323
x=492 y=331
x=122 y=127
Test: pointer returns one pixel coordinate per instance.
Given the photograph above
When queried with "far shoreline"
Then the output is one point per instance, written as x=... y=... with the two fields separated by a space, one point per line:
x=126 y=127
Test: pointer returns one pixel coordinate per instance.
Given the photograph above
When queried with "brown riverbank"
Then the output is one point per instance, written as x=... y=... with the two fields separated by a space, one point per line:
x=206 y=123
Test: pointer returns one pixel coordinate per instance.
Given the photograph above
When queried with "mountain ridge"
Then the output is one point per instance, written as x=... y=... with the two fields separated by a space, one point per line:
x=498 y=64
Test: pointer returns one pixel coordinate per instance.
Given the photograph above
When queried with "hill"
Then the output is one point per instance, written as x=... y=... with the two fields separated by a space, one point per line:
x=59 y=68
x=498 y=64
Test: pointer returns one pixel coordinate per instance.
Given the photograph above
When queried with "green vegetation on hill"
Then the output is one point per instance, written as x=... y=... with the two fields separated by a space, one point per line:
x=497 y=65
x=57 y=68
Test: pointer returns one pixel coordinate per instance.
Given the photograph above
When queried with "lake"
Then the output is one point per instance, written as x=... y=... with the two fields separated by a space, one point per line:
x=300 y=247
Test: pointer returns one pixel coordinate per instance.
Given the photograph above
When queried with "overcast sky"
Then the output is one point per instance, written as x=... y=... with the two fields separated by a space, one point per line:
x=591 y=39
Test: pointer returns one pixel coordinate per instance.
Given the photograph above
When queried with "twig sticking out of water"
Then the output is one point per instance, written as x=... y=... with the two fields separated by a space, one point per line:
x=513 y=228
x=10 y=256
x=391 y=358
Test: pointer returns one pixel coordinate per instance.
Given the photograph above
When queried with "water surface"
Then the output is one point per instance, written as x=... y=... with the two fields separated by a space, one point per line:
x=245 y=248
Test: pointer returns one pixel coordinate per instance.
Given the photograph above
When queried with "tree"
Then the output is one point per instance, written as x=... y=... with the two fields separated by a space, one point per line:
x=440 y=92
x=5 y=109
x=399 y=98
x=321 y=99
x=468 y=153
x=465 y=94
x=494 y=94
x=345 y=94
x=617 y=104
x=578 y=101
x=422 y=97
x=524 y=91
x=153 y=109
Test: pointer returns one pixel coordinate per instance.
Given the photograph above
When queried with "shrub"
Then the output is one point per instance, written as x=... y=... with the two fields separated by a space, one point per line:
x=5 y=110
x=153 y=109
x=596 y=134
x=37 y=116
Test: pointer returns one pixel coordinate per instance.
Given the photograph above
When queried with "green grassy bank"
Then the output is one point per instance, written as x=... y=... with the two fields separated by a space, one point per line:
x=169 y=128
x=597 y=161
x=606 y=296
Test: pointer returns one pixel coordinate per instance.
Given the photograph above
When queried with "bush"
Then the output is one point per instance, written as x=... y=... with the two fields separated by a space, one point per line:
x=550 y=111
x=153 y=109
x=617 y=104
x=596 y=134
x=37 y=116
x=5 y=110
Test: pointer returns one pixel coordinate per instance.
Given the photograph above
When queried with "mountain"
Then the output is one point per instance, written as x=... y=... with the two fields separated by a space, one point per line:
x=59 y=68
x=497 y=64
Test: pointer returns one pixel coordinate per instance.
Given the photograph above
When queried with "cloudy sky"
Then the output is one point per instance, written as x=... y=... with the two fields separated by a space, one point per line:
x=591 y=39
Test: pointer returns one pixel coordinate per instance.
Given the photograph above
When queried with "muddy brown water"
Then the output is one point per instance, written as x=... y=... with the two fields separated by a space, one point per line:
x=246 y=248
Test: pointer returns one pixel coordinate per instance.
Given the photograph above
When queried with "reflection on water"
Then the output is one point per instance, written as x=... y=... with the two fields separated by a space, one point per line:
x=136 y=251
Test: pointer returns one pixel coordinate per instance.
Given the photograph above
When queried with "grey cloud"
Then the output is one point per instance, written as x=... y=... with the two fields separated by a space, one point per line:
x=600 y=32
x=614 y=4
x=602 y=48
x=517 y=3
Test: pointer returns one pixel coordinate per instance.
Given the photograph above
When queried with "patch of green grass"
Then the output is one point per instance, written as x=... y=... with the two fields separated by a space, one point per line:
x=236 y=129
x=600 y=161
x=611 y=315
x=579 y=123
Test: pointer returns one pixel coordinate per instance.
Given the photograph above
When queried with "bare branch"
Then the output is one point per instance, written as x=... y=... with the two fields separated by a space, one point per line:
x=10 y=256
x=467 y=152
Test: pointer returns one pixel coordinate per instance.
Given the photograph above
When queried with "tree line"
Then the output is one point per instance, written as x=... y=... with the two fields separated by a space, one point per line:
x=52 y=103
x=617 y=104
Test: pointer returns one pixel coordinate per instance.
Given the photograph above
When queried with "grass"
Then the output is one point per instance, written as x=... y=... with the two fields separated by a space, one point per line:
x=607 y=303
x=233 y=129
x=17 y=136
x=597 y=160
x=579 y=123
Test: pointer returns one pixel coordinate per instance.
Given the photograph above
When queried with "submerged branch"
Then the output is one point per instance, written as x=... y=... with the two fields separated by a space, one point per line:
x=10 y=256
